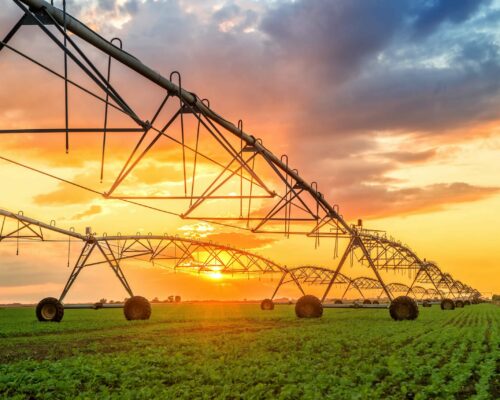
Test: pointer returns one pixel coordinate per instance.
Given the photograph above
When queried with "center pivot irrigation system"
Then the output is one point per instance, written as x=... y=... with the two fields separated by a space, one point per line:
x=188 y=255
x=228 y=177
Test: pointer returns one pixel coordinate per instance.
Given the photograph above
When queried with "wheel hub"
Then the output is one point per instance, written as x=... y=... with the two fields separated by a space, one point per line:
x=49 y=311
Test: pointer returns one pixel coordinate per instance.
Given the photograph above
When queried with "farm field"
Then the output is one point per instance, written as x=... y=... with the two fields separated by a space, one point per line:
x=204 y=351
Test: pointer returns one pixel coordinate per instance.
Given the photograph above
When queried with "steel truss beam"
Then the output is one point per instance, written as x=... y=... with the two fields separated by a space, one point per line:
x=300 y=202
x=201 y=256
x=187 y=255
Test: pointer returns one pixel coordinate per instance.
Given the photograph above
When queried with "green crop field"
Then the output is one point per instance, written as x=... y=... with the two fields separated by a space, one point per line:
x=196 y=351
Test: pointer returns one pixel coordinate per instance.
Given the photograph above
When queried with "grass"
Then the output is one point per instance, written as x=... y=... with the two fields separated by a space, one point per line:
x=207 y=351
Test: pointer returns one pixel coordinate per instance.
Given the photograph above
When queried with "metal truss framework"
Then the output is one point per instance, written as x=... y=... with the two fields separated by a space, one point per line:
x=292 y=205
x=443 y=284
x=188 y=255
x=368 y=287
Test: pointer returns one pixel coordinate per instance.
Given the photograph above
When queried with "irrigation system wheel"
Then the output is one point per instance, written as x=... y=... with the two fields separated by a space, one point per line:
x=337 y=301
x=447 y=304
x=426 y=303
x=459 y=304
x=50 y=309
x=309 y=306
x=367 y=301
x=267 y=305
x=137 y=307
x=467 y=303
x=403 y=308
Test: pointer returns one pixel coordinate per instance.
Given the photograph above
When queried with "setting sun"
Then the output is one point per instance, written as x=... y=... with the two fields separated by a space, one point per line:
x=215 y=275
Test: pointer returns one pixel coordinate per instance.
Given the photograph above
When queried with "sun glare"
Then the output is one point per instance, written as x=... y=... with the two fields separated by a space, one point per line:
x=215 y=275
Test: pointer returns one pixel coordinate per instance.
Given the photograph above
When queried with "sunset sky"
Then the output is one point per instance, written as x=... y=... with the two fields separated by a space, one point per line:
x=393 y=107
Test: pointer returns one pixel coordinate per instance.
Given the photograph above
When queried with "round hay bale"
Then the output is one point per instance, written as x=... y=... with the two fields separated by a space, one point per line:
x=426 y=303
x=308 y=306
x=338 y=301
x=367 y=301
x=375 y=302
x=403 y=308
x=467 y=303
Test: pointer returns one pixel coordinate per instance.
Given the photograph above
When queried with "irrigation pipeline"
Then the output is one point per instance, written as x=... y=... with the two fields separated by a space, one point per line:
x=85 y=33
x=185 y=254
x=27 y=222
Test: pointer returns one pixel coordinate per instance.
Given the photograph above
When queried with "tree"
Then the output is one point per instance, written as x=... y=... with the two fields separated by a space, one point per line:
x=177 y=299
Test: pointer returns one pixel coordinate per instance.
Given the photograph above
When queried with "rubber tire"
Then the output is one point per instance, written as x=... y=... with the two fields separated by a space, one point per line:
x=403 y=308
x=137 y=307
x=51 y=305
x=367 y=301
x=338 y=302
x=375 y=302
x=459 y=304
x=447 y=304
x=308 y=306
x=267 y=305
x=467 y=303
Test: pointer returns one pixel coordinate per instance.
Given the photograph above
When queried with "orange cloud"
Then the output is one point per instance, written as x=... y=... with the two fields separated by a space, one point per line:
x=241 y=240
x=64 y=195
x=377 y=201
x=92 y=210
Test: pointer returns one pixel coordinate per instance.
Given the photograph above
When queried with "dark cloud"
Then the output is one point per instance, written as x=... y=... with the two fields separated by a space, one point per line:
x=336 y=37
x=436 y=12
x=418 y=99
x=392 y=82
x=106 y=5
x=130 y=6
x=237 y=18
x=226 y=12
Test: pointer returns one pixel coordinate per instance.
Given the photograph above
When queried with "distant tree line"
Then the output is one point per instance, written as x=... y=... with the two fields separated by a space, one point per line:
x=169 y=299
